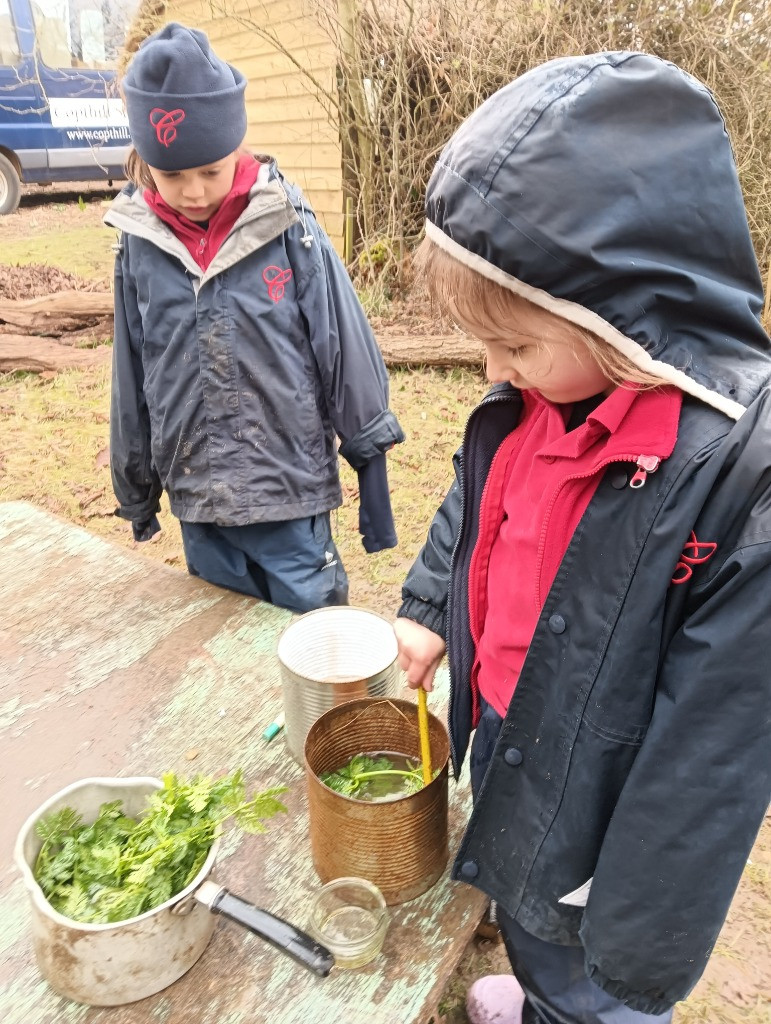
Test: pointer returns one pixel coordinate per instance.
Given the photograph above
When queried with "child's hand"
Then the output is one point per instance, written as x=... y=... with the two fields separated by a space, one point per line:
x=420 y=651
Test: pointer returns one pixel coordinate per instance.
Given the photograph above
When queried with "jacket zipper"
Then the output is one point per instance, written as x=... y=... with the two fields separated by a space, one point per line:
x=645 y=464
x=490 y=400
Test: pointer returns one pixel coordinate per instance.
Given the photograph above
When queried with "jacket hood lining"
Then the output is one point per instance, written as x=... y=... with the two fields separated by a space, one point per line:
x=590 y=321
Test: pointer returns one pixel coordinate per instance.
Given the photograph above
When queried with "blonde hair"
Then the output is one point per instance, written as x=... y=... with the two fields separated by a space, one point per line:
x=137 y=170
x=484 y=306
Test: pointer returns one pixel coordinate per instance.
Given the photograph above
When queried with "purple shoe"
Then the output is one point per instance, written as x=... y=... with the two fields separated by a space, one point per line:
x=496 y=999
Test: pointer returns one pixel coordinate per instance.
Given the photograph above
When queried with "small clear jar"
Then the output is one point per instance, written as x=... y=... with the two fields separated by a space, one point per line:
x=349 y=917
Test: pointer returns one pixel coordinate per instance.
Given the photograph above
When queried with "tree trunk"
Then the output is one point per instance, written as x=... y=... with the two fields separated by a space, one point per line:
x=55 y=314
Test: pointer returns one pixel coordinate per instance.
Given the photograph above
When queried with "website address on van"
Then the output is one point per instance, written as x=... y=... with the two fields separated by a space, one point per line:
x=98 y=134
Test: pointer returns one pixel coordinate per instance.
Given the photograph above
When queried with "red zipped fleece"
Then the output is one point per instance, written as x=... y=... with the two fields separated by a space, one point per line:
x=541 y=480
x=201 y=242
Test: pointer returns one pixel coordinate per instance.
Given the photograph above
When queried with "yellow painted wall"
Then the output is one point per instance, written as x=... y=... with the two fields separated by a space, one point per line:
x=285 y=116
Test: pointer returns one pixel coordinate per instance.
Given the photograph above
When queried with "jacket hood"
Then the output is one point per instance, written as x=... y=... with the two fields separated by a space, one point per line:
x=604 y=189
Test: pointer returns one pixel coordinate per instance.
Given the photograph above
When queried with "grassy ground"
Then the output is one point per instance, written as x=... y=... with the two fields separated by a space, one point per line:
x=64 y=231
x=53 y=453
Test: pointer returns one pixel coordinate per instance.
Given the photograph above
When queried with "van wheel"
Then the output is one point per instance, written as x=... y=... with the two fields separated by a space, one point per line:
x=10 y=186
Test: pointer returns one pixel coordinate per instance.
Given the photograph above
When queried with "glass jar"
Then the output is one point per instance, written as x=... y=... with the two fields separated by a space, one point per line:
x=349 y=917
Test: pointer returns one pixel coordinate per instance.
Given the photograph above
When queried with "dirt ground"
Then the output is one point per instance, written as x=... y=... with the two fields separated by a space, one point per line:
x=53 y=453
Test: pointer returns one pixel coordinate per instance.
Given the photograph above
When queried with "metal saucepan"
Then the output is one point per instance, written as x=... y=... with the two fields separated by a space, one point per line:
x=112 y=964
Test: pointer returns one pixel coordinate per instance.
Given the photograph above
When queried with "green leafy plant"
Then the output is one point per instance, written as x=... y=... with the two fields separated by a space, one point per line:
x=118 y=867
x=368 y=776
x=81 y=203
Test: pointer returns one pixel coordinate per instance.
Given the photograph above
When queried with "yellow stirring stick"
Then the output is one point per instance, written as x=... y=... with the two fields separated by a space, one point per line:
x=425 y=744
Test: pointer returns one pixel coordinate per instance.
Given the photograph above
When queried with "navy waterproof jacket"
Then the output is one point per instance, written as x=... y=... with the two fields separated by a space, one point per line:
x=635 y=752
x=231 y=385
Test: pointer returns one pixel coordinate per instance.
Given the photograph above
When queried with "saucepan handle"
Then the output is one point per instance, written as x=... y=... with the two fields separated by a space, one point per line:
x=279 y=933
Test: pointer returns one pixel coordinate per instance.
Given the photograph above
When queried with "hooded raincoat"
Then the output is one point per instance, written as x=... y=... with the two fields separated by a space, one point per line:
x=635 y=751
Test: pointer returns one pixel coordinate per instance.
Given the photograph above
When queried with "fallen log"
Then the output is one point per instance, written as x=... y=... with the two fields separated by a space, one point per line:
x=40 y=355
x=77 y=316
x=58 y=313
x=427 y=350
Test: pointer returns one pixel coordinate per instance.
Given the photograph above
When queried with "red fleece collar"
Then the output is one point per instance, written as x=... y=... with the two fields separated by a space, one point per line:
x=637 y=421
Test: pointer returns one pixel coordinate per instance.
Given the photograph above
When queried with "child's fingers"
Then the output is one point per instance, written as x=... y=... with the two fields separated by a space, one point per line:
x=419 y=653
x=418 y=672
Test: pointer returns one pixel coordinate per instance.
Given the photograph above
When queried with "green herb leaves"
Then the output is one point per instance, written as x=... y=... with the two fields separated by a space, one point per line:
x=376 y=777
x=119 y=867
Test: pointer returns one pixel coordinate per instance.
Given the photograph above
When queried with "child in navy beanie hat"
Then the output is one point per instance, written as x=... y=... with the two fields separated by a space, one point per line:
x=242 y=359
x=185 y=106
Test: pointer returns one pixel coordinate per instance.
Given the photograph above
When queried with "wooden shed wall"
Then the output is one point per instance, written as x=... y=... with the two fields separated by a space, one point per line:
x=285 y=117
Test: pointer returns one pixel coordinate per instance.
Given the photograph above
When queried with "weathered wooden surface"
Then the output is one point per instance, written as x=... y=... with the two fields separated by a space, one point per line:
x=38 y=355
x=114 y=665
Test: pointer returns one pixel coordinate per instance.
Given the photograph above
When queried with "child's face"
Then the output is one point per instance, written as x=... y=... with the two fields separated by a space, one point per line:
x=197 y=192
x=543 y=353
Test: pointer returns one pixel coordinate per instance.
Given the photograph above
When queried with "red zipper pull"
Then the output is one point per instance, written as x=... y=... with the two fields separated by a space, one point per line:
x=645 y=464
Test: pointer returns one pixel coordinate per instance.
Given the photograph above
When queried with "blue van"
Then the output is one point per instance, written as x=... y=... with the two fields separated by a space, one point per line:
x=61 y=118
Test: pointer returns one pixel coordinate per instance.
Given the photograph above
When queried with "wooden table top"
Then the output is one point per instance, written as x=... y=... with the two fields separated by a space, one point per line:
x=114 y=664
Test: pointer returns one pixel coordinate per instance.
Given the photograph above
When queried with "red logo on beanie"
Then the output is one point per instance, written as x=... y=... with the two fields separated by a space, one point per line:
x=276 y=278
x=164 y=122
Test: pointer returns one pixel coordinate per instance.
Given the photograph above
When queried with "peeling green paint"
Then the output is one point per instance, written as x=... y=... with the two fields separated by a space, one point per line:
x=25 y=1002
x=162 y=1011
x=13 y=919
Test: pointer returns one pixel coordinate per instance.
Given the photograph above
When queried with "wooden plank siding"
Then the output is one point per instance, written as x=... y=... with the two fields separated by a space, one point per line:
x=286 y=117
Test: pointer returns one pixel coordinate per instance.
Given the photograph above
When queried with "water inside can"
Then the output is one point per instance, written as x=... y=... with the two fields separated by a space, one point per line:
x=378 y=783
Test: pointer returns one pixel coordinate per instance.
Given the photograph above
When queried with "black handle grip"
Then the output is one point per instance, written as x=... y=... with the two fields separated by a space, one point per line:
x=279 y=933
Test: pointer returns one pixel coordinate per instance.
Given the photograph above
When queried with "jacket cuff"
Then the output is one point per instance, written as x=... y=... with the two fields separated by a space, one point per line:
x=141 y=512
x=374 y=438
x=424 y=614
x=645 y=1002
x=376 y=521
x=146 y=530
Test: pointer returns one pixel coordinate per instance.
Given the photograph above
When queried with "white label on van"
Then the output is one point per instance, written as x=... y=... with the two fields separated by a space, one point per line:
x=87 y=113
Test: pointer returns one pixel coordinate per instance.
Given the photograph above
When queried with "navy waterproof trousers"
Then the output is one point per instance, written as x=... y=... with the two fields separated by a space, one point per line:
x=293 y=564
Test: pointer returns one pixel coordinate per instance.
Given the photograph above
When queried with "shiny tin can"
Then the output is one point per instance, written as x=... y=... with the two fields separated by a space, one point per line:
x=330 y=656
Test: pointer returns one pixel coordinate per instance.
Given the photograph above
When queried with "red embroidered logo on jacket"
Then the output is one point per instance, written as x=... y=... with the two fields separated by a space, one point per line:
x=165 y=122
x=276 y=278
x=695 y=552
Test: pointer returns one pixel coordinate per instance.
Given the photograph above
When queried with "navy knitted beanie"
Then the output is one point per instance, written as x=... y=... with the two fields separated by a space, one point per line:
x=185 y=106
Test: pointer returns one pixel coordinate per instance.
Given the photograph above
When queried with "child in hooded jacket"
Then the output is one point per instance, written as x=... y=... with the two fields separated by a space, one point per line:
x=600 y=571
x=241 y=351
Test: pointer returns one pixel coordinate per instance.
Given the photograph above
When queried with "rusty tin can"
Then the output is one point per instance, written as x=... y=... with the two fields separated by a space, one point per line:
x=400 y=845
